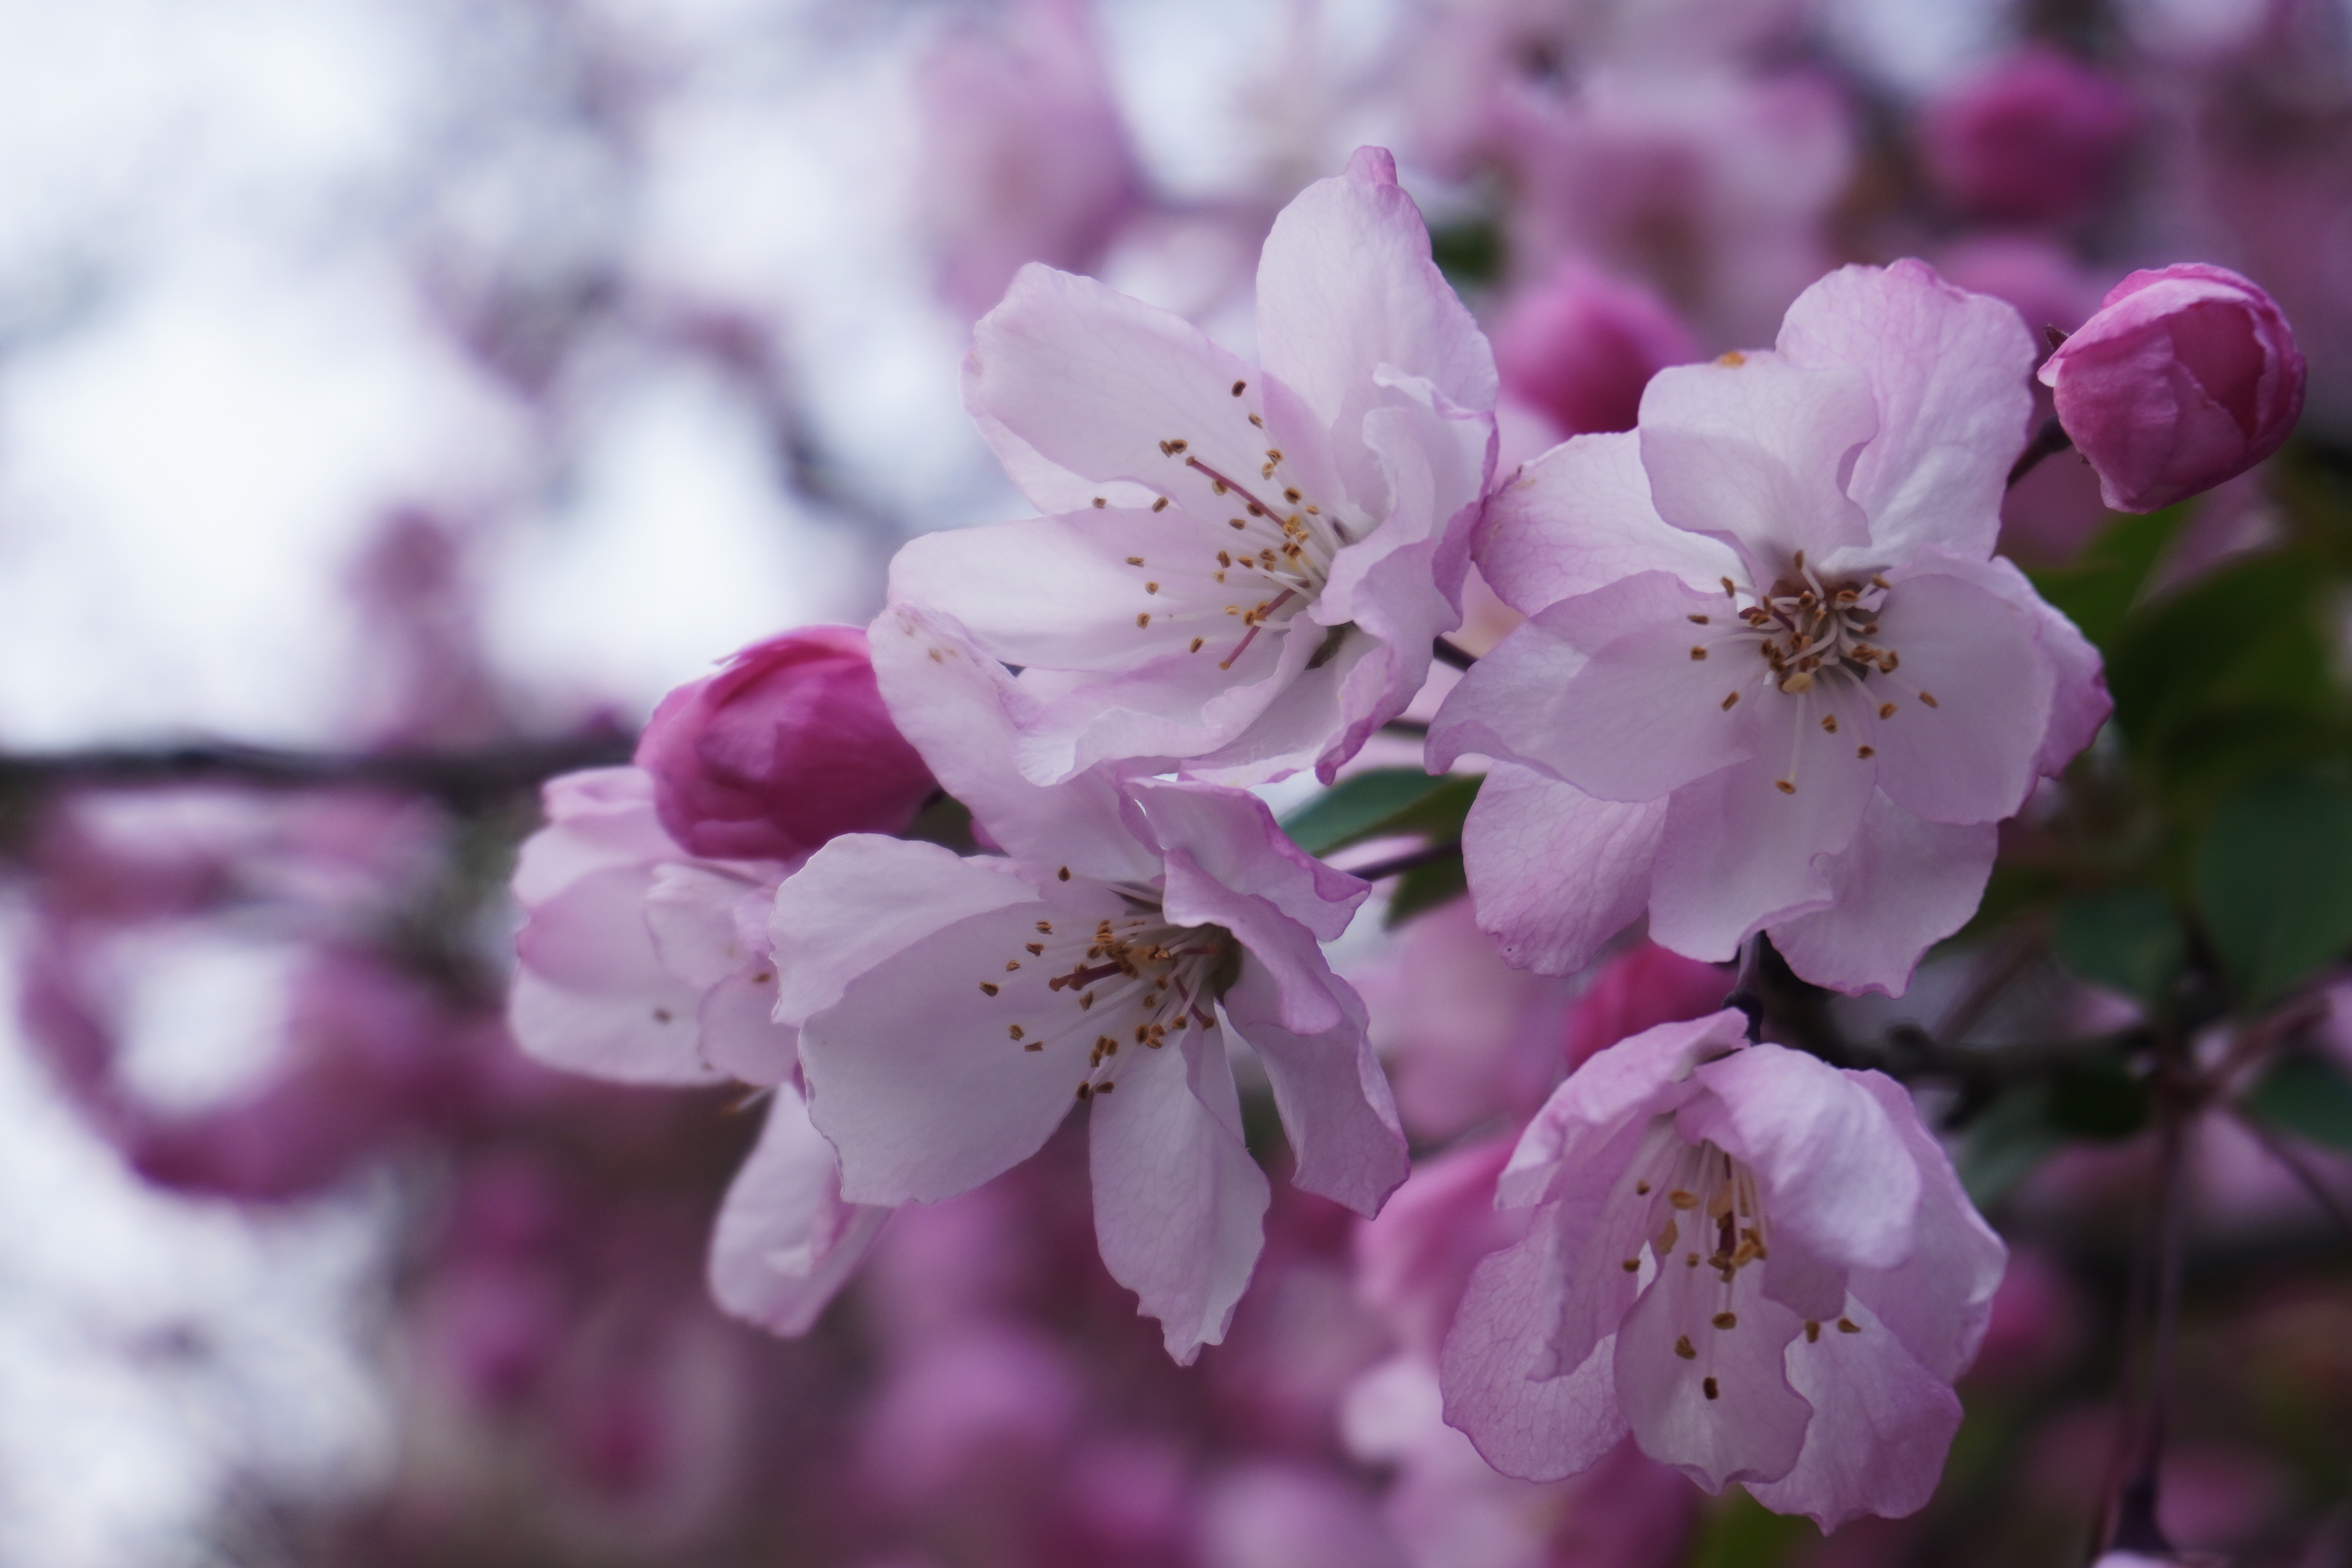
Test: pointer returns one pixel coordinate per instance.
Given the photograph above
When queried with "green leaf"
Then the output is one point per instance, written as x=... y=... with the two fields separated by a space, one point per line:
x=1383 y=803
x=2273 y=881
x=2099 y=589
x=1468 y=253
x=1425 y=888
x=2098 y=1099
x=1740 y=1532
x=2308 y=1098
x=2246 y=639
x=2006 y=1143
x=2128 y=940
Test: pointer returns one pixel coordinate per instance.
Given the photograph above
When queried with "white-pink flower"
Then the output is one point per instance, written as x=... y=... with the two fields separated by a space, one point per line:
x=639 y=963
x=1245 y=564
x=1762 y=1267
x=1773 y=677
x=952 y=1011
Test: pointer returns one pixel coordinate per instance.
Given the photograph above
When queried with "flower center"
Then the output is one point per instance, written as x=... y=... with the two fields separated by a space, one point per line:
x=1135 y=981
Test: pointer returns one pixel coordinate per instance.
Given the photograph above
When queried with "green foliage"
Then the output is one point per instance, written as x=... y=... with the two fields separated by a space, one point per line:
x=1470 y=254
x=2099 y=589
x=2128 y=940
x=1740 y=1532
x=2273 y=879
x=1383 y=803
x=1425 y=888
x=2004 y=1144
x=2308 y=1098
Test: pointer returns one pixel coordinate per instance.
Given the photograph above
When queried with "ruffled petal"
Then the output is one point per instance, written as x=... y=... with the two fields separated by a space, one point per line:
x=1724 y=1411
x=1539 y=1429
x=1232 y=837
x=1553 y=872
x=1938 y=1301
x=1969 y=702
x=1329 y=1088
x=591 y=994
x=1578 y=518
x=1178 y=1203
x=785 y=1243
x=1902 y=886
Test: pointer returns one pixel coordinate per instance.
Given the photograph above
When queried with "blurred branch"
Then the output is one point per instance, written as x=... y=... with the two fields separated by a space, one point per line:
x=452 y=776
x=2048 y=442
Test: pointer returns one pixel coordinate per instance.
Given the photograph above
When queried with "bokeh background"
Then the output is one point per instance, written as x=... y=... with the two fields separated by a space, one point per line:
x=383 y=374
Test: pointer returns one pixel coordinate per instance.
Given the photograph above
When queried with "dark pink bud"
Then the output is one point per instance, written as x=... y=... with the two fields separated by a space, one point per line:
x=1642 y=987
x=2036 y=138
x=1581 y=347
x=783 y=749
x=2187 y=377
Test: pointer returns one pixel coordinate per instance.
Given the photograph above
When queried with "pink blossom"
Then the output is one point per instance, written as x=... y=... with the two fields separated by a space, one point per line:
x=2035 y=137
x=1773 y=677
x=786 y=746
x=1026 y=157
x=2187 y=376
x=1760 y=1266
x=951 y=1012
x=1580 y=346
x=1245 y=564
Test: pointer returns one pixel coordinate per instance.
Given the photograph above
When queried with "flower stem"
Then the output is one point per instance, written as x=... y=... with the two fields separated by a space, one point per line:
x=2048 y=441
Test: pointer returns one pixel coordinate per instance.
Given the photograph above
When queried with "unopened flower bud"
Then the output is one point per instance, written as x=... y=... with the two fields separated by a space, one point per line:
x=2035 y=138
x=1581 y=347
x=2187 y=377
x=786 y=747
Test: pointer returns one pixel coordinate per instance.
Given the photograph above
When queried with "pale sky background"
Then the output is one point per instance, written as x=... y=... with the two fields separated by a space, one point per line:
x=218 y=369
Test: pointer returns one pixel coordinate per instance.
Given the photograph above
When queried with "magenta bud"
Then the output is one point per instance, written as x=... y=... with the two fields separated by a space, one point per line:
x=1642 y=986
x=1580 y=346
x=2036 y=138
x=786 y=747
x=2187 y=377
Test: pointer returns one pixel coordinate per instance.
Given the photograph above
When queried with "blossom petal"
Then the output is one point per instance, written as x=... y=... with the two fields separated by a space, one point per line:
x=1963 y=748
x=1725 y=1411
x=1637 y=1076
x=863 y=900
x=1881 y=1424
x=1833 y=1170
x=740 y=1036
x=963 y=712
x=1178 y=1203
x=1328 y=1088
x=1345 y=285
x=1074 y=373
x=1750 y=452
x=785 y=1242
x=1950 y=372
x=691 y=909
x=927 y=1083
x=1553 y=872
x=1578 y=518
x=1902 y=886
x=1539 y=1429
x=596 y=819
x=1938 y=1301
x=590 y=995
x=2079 y=703
x=1230 y=836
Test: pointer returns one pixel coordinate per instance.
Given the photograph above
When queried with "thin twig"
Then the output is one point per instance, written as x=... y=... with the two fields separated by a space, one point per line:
x=1417 y=727
x=1446 y=653
x=1397 y=865
x=451 y=776
x=2048 y=442
x=2298 y=1168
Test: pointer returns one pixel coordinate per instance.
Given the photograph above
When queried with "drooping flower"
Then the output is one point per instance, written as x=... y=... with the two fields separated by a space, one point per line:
x=2187 y=377
x=1772 y=678
x=1245 y=564
x=952 y=1011
x=1762 y=1267
x=641 y=963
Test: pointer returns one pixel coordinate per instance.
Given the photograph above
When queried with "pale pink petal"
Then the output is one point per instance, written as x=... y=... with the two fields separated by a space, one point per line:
x=785 y=1243
x=1833 y=1170
x=1750 y=452
x=1939 y=1300
x=596 y=819
x=1094 y=382
x=740 y=1036
x=863 y=898
x=1881 y=1424
x=590 y=995
x=1537 y=1429
x=1740 y=852
x=1902 y=886
x=1316 y=702
x=1178 y=1203
x=1486 y=714
x=691 y=909
x=1232 y=837
x=1328 y=1088
x=1971 y=701
x=963 y=712
x=1554 y=873
x=925 y=1082
x=1659 y=701
x=2079 y=703
x=1578 y=518
x=1643 y=1075
x=1752 y=1427
x=1345 y=285
x=1951 y=375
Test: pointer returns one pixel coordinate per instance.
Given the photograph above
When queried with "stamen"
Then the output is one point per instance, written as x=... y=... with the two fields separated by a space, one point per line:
x=1711 y=1388
x=1725 y=1320
x=1685 y=1349
x=989 y=987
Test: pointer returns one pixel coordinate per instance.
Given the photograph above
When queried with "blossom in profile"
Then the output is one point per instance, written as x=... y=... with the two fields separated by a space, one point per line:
x=1761 y=1267
x=1773 y=677
x=1244 y=566
x=2187 y=377
x=952 y=1012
